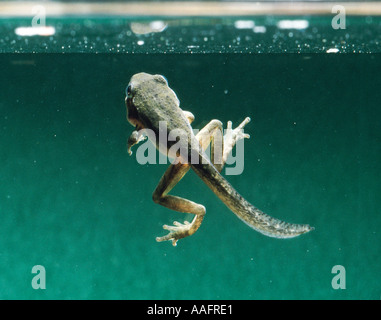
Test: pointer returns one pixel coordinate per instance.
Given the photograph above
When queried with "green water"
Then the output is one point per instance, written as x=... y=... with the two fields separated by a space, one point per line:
x=73 y=201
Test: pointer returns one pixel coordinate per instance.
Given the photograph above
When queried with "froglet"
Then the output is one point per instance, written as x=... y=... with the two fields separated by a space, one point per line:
x=150 y=101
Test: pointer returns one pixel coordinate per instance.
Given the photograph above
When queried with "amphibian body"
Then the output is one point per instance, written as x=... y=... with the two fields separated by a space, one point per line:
x=150 y=102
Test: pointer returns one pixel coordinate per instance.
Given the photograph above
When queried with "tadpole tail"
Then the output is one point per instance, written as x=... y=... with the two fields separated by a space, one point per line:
x=244 y=210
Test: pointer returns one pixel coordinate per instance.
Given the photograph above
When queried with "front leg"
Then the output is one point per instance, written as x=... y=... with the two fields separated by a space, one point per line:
x=135 y=138
x=171 y=177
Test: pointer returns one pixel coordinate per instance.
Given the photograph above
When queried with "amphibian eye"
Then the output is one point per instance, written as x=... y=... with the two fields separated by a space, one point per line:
x=161 y=79
x=129 y=91
x=166 y=81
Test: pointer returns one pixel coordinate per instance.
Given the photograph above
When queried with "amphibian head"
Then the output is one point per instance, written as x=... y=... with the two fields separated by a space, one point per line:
x=146 y=95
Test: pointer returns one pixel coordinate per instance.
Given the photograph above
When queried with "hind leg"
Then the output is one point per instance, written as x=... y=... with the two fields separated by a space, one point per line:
x=210 y=134
x=221 y=146
x=232 y=136
x=171 y=177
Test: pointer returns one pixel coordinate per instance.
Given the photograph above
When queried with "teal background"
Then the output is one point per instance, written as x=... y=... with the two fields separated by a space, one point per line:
x=72 y=200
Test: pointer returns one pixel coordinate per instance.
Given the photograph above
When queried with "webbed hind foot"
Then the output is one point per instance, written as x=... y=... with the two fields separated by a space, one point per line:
x=179 y=230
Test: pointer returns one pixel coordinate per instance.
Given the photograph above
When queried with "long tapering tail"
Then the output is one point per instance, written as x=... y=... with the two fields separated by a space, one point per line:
x=251 y=215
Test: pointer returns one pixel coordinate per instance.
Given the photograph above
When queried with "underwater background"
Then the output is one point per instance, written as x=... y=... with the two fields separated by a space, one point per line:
x=73 y=201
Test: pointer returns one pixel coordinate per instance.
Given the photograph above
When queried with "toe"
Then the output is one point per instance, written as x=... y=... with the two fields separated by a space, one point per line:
x=244 y=123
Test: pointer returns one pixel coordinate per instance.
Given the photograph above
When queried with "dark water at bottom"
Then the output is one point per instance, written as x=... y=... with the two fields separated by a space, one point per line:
x=73 y=201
